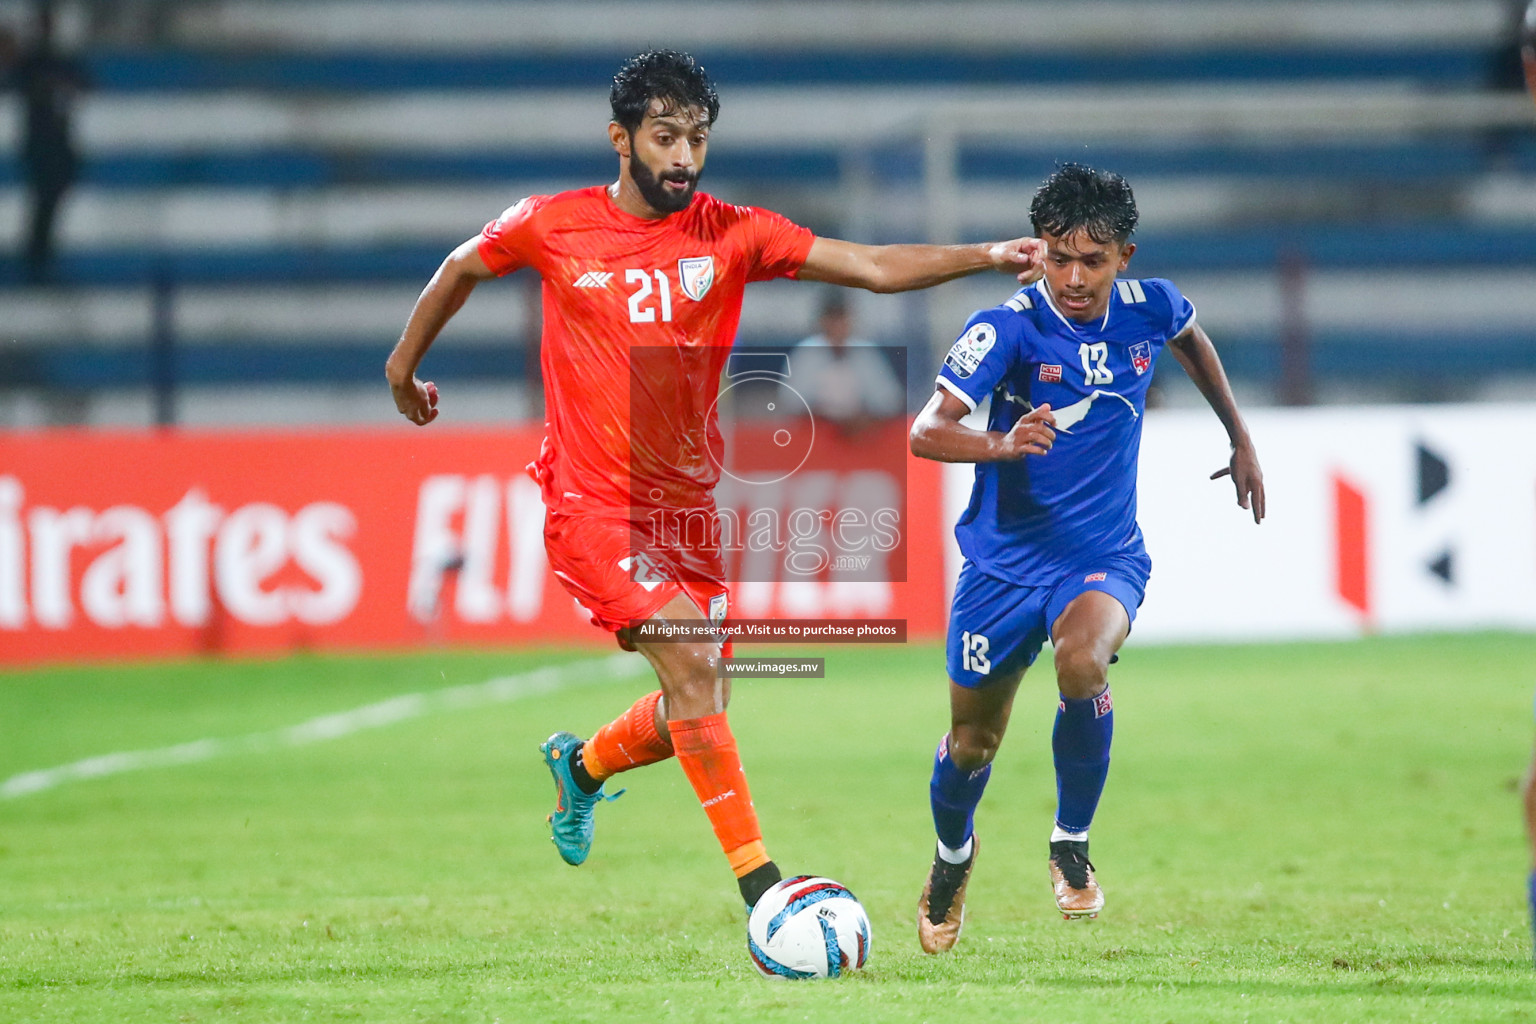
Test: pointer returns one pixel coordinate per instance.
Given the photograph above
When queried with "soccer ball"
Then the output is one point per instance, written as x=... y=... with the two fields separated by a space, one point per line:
x=808 y=927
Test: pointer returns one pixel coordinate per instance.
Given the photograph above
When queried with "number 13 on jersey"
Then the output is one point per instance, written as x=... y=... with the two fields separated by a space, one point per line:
x=1094 y=357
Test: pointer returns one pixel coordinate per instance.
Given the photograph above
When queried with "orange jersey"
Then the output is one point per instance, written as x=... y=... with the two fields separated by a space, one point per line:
x=639 y=317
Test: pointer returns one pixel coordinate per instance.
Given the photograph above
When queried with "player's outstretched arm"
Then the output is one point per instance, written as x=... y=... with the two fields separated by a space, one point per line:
x=904 y=268
x=938 y=434
x=1197 y=355
x=444 y=294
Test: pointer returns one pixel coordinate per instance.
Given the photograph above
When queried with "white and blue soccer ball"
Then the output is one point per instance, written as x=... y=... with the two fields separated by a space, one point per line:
x=808 y=927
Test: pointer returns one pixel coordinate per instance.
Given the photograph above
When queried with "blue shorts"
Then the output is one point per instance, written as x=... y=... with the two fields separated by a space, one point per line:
x=997 y=628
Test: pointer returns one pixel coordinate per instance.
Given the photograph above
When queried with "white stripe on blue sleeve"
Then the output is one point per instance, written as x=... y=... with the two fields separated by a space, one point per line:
x=954 y=389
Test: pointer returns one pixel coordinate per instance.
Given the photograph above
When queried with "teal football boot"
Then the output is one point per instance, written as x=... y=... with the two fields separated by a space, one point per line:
x=572 y=821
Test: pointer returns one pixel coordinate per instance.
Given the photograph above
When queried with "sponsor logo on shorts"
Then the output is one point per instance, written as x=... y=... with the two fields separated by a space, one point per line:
x=1095 y=577
x=1050 y=372
x=1103 y=704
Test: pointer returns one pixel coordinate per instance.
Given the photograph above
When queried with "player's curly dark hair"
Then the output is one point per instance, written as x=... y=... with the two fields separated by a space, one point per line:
x=1079 y=198
x=673 y=77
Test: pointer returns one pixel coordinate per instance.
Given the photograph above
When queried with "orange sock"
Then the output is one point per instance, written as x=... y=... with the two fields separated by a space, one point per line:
x=629 y=741
x=707 y=751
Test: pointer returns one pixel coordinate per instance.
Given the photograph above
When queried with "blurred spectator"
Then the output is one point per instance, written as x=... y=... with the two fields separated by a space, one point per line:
x=133 y=22
x=1528 y=47
x=48 y=82
x=845 y=380
x=9 y=50
x=1505 y=71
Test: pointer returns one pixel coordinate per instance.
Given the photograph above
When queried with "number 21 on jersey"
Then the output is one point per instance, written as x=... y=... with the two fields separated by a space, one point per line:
x=642 y=310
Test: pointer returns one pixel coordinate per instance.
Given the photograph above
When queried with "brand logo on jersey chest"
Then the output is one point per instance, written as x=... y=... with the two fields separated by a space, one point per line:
x=593 y=279
x=1141 y=357
x=696 y=274
x=1050 y=372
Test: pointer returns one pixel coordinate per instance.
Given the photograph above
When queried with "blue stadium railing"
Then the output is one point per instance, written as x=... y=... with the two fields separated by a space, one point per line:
x=1440 y=157
x=169 y=70
x=1400 y=358
x=1367 y=245
x=194 y=363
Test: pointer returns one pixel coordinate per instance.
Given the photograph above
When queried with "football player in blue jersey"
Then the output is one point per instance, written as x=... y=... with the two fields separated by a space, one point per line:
x=1528 y=789
x=1052 y=549
x=1528 y=784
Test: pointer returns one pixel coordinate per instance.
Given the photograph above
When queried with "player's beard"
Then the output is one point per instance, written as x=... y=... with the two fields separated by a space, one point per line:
x=655 y=194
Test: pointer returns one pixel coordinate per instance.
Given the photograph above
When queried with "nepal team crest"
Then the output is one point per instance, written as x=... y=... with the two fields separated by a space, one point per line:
x=1141 y=357
x=696 y=274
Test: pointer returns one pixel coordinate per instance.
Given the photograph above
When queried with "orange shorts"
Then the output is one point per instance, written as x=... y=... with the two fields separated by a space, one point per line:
x=617 y=581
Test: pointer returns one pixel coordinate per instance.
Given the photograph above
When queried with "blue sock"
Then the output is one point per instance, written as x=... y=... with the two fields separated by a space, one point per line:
x=1080 y=743
x=954 y=793
x=1532 y=888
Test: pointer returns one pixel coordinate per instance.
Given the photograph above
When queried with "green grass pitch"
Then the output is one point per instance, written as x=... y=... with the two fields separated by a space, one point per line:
x=1321 y=832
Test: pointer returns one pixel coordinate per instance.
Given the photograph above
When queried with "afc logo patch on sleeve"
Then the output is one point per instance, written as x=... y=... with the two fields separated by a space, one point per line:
x=970 y=349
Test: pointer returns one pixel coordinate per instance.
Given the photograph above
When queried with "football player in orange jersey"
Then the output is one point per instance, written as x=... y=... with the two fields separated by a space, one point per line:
x=643 y=265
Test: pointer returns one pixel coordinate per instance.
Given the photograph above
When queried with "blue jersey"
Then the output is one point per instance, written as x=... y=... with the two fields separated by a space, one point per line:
x=1045 y=516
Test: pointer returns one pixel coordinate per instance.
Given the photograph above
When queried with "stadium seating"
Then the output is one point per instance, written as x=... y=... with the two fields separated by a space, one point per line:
x=323 y=156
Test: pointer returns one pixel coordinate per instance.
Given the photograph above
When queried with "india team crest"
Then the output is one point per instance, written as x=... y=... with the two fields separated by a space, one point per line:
x=1141 y=357
x=696 y=273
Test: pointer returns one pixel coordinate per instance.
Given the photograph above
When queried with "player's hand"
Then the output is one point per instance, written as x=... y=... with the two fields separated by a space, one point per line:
x=416 y=400
x=1033 y=434
x=1024 y=257
x=1247 y=478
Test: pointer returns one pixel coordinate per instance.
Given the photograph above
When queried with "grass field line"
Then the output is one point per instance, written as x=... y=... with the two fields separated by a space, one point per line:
x=334 y=726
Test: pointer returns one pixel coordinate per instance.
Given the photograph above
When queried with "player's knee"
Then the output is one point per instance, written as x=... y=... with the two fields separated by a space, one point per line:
x=690 y=681
x=973 y=746
x=1082 y=669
